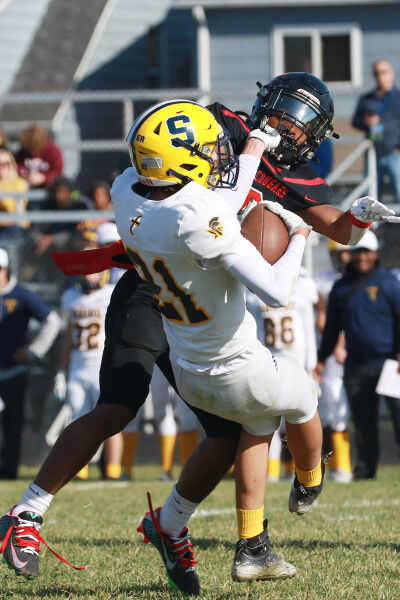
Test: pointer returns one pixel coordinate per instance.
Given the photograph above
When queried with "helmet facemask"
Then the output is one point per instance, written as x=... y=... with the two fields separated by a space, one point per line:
x=293 y=107
x=219 y=154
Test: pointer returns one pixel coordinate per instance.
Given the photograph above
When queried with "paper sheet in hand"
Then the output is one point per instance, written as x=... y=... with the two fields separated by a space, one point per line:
x=389 y=381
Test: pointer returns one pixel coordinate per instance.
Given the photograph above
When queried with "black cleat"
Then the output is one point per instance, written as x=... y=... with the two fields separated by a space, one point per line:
x=255 y=561
x=177 y=553
x=20 y=542
x=302 y=498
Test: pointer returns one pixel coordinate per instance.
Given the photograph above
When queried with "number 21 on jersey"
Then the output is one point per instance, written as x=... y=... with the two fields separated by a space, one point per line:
x=184 y=309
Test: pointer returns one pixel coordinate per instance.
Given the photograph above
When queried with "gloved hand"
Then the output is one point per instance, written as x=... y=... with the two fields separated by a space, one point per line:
x=367 y=210
x=292 y=221
x=60 y=386
x=266 y=134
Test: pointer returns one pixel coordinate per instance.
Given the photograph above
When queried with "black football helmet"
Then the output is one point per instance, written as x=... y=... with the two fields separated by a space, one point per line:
x=302 y=100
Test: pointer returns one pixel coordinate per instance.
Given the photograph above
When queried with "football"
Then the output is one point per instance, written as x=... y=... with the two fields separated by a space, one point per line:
x=267 y=232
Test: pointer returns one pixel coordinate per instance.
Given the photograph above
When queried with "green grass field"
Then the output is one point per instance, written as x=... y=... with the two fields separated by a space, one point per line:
x=348 y=547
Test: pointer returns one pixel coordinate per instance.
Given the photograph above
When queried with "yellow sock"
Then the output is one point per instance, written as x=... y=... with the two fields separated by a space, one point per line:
x=274 y=467
x=83 y=473
x=113 y=471
x=188 y=442
x=289 y=466
x=250 y=522
x=341 y=451
x=167 y=447
x=129 y=452
x=310 y=478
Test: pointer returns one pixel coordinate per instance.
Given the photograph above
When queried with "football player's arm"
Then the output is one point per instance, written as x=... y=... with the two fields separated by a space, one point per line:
x=257 y=143
x=230 y=121
x=347 y=227
x=273 y=284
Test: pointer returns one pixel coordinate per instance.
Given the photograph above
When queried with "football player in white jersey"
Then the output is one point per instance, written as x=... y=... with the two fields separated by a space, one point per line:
x=84 y=307
x=333 y=404
x=186 y=239
x=288 y=331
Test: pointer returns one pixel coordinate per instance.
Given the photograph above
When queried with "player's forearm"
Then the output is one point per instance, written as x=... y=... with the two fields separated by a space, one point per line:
x=272 y=283
x=248 y=165
x=334 y=224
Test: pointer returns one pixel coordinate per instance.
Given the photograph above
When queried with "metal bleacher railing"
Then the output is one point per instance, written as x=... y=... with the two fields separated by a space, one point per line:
x=129 y=99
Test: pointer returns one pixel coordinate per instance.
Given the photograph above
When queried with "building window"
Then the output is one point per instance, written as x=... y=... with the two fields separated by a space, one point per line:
x=329 y=52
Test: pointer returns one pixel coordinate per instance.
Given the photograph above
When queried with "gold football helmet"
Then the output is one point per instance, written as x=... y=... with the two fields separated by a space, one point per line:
x=179 y=141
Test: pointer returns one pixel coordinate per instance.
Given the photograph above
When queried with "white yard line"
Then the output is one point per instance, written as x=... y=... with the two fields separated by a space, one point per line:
x=80 y=487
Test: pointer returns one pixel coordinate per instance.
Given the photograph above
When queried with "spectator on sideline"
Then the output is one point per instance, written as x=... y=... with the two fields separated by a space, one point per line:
x=17 y=306
x=99 y=199
x=62 y=196
x=39 y=159
x=365 y=305
x=378 y=114
x=11 y=182
x=333 y=405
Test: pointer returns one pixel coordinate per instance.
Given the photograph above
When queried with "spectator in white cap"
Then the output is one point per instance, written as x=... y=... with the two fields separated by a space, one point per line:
x=365 y=304
x=107 y=234
x=17 y=306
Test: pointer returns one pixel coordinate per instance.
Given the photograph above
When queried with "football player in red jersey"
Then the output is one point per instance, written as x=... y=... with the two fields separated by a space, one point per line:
x=300 y=107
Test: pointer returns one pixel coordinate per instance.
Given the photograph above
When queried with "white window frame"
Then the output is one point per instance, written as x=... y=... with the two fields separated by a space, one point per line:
x=315 y=32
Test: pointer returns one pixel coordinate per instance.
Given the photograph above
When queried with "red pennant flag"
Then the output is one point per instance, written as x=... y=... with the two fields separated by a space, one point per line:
x=83 y=262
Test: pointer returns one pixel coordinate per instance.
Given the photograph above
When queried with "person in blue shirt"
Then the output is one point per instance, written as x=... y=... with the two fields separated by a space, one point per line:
x=378 y=114
x=365 y=305
x=17 y=306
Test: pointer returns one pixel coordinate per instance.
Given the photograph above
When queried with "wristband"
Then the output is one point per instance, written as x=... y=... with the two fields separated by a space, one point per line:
x=357 y=222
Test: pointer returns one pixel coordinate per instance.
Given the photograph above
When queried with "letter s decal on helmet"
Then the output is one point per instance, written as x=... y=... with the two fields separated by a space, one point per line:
x=179 y=141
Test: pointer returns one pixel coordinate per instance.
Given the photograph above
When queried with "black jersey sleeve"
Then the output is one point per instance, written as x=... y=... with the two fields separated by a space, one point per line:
x=295 y=188
x=230 y=121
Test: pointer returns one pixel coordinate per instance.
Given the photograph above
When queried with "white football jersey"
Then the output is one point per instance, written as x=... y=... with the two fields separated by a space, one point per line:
x=173 y=243
x=289 y=330
x=326 y=279
x=86 y=314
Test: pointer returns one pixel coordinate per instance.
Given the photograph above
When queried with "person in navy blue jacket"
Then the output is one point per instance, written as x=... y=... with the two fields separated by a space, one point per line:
x=17 y=306
x=365 y=305
x=378 y=115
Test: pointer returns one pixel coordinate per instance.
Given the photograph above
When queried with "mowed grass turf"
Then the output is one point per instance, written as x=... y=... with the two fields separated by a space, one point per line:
x=347 y=547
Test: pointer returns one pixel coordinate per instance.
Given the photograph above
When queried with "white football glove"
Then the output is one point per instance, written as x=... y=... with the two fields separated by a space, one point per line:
x=268 y=135
x=60 y=386
x=369 y=210
x=292 y=221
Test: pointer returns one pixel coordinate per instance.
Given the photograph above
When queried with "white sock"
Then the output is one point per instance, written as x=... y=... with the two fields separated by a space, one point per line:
x=35 y=500
x=175 y=513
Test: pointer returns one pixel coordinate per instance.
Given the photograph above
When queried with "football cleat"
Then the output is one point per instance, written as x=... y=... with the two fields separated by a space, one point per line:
x=165 y=476
x=255 y=561
x=176 y=553
x=20 y=543
x=301 y=497
x=340 y=476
